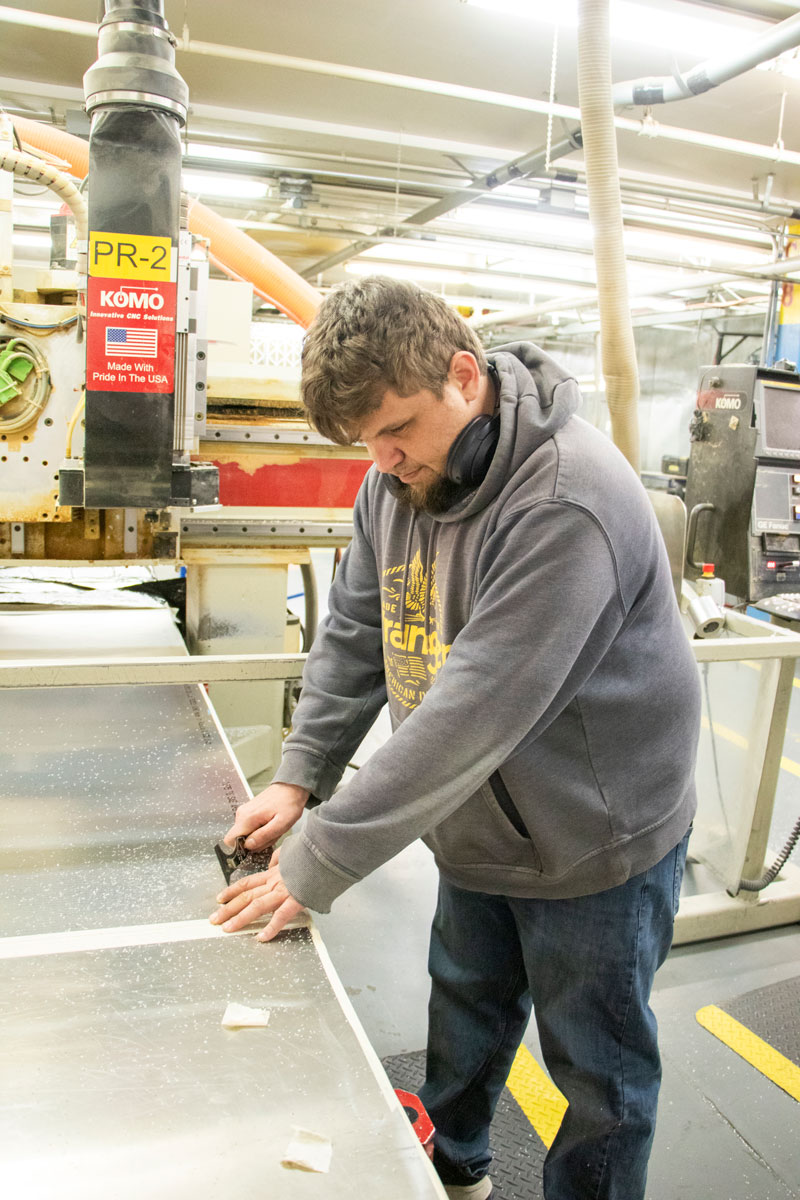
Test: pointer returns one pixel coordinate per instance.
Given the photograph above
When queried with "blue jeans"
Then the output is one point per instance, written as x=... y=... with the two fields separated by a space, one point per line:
x=587 y=967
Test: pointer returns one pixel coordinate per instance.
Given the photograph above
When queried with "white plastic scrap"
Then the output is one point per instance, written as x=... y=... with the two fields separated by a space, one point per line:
x=308 y=1151
x=239 y=1016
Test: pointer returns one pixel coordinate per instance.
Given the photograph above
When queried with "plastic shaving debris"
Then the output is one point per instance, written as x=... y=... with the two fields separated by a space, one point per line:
x=308 y=1151
x=239 y=1016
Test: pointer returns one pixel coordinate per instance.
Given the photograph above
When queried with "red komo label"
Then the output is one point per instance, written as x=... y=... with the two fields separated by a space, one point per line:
x=130 y=335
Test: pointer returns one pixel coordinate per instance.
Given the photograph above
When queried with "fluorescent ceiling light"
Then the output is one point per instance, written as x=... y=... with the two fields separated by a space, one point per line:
x=565 y=232
x=31 y=239
x=642 y=23
x=265 y=222
x=229 y=154
x=684 y=249
x=530 y=221
x=427 y=276
x=658 y=303
x=224 y=185
x=33 y=216
x=501 y=261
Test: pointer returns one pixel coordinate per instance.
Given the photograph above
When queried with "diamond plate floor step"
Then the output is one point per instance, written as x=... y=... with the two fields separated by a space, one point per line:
x=518 y=1152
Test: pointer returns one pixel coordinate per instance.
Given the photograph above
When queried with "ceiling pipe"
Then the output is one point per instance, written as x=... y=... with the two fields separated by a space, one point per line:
x=527 y=315
x=773 y=41
x=605 y=211
x=521 y=168
x=712 y=72
x=652 y=186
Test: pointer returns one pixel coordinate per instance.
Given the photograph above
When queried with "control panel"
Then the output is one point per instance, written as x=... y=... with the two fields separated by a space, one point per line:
x=743 y=479
x=775 y=530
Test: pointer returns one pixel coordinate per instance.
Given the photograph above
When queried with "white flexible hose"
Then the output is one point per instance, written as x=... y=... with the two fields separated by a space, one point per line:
x=35 y=170
x=605 y=211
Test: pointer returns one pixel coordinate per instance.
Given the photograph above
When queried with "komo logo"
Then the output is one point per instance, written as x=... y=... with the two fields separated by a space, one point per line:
x=728 y=402
x=126 y=299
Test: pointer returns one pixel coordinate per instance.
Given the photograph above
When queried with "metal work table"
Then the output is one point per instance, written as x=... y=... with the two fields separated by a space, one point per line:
x=118 y=1079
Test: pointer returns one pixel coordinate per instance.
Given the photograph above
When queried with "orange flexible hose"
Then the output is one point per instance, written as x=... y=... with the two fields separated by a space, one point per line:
x=63 y=145
x=269 y=276
x=245 y=257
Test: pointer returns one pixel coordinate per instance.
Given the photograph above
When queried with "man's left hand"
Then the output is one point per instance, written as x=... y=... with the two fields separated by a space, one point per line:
x=252 y=897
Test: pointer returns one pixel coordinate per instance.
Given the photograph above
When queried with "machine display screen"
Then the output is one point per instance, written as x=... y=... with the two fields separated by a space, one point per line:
x=781 y=432
x=782 y=543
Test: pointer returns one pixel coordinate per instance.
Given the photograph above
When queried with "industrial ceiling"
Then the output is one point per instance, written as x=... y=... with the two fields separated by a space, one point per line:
x=329 y=130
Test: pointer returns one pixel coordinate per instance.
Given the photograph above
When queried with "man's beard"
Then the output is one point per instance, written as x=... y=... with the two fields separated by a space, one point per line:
x=434 y=498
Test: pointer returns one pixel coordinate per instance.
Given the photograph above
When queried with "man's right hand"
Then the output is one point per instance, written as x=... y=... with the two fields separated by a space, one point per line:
x=263 y=819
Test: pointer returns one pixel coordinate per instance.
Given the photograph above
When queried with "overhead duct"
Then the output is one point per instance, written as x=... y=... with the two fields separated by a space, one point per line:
x=712 y=72
x=270 y=277
x=137 y=102
x=605 y=212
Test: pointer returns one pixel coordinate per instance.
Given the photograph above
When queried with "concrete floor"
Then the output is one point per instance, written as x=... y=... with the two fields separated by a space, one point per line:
x=725 y=1132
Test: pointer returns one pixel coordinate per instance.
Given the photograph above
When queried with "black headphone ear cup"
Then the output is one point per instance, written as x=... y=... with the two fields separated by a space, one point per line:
x=470 y=454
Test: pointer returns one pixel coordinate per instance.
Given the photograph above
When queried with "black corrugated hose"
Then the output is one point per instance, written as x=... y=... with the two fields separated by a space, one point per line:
x=757 y=885
x=310 y=594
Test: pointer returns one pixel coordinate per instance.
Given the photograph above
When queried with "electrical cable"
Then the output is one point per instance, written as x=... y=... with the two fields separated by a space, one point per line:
x=33 y=326
x=311 y=621
x=757 y=885
x=712 y=735
x=73 y=421
x=19 y=348
x=27 y=166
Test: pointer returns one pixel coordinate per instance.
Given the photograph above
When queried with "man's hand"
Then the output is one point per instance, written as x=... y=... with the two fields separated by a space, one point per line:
x=263 y=819
x=252 y=897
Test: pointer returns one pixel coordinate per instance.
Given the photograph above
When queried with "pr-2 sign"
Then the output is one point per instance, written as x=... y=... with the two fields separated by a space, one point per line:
x=131 y=303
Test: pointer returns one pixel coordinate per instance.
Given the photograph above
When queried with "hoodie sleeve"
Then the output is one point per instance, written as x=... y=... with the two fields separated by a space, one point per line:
x=546 y=609
x=343 y=680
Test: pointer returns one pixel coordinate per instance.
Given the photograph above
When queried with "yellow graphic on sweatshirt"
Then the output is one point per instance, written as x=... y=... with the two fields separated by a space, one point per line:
x=412 y=651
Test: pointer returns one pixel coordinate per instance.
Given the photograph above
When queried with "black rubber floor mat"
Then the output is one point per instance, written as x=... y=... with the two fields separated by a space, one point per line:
x=774 y=1014
x=516 y=1169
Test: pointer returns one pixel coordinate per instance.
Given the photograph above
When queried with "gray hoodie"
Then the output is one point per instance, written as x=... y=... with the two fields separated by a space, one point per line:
x=543 y=695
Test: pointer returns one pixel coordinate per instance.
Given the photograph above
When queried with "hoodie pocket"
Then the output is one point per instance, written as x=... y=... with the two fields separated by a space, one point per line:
x=498 y=800
x=506 y=804
x=480 y=834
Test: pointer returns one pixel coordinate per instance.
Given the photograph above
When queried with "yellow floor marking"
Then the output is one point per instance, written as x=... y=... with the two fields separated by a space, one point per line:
x=730 y=735
x=752 y=1048
x=537 y=1095
x=788 y=765
x=754 y=666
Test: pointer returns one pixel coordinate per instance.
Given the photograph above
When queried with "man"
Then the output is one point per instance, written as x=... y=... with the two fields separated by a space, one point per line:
x=508 y=592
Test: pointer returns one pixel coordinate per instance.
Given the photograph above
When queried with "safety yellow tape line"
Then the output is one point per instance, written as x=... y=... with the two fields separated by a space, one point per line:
x=754 y=666
x=730 y=735
x=751 y=1048
x=537 y=1096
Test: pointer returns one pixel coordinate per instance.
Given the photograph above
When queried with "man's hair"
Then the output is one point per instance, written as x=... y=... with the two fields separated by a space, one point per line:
x=372 y=335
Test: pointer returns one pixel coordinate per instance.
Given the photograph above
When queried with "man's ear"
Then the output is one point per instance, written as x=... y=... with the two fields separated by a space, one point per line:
x=465 y=373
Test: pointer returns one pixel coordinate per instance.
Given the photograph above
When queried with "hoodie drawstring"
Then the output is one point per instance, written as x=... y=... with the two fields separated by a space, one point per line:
x=427 y=574
x=412 y=524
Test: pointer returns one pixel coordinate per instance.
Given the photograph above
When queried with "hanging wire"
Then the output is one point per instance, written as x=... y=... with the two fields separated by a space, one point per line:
x=397 y=183
x=553 y=68
x=779 y=139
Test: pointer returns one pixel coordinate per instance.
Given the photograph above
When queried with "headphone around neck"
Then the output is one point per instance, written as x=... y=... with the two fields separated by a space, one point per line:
x=471 y=453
